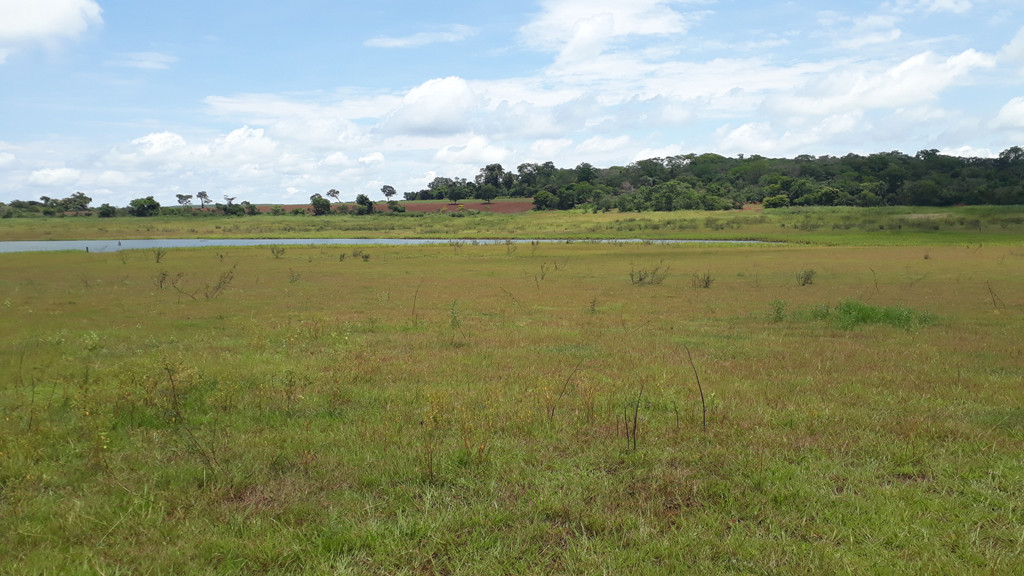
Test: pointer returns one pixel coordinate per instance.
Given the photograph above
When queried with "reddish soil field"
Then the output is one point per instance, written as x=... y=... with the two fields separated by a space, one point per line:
x=504 y=206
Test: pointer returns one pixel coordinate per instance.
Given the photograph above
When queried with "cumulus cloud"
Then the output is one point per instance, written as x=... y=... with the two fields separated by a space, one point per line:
x=1014 y=51
x=54 y=177
x=372 y=158
x=1011 y=115
x=454 y=33
x=44 y=21
x=438 y=106
x=159 y=143
x=6 y=158
x=477 y=151
x=581 y=27
x=920 y=78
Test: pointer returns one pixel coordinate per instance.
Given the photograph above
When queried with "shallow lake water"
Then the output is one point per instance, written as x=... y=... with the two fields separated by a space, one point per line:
x=116 y=245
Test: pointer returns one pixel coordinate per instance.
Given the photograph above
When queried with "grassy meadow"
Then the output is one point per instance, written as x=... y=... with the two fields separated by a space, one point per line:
x=493 y=408
x=907 y=226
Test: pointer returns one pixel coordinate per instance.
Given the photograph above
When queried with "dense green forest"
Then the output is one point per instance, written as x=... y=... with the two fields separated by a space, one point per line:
x=685 y=182
x=714 y=182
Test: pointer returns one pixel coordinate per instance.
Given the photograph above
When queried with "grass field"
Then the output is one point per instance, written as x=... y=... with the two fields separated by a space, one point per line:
x=907 y=226
x=515 y=409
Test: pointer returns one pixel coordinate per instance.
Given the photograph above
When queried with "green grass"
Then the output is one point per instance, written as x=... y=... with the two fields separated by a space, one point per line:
x=894 y=226
x=420 y=411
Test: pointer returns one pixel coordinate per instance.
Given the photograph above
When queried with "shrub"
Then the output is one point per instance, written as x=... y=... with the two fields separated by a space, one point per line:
x=780 y=201
x=851 y=313
x=806 y=277
x=702 y=280
x=648 y=276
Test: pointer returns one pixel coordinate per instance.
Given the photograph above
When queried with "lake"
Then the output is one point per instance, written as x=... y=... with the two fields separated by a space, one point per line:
x=116 y=245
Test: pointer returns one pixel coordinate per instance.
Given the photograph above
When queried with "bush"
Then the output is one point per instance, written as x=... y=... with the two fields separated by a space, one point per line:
x=648 y=276
x=806 y=277
x=851 y=313
x=143 y=207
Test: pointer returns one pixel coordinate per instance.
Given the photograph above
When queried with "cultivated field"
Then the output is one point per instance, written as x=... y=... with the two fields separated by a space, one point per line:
x=527 y=408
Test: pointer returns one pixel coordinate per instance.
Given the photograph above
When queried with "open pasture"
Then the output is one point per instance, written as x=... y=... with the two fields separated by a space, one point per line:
x=904 y=226
x=503 y=408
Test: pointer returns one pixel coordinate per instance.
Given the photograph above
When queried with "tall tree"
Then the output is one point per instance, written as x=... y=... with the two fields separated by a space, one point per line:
x=388 y=191
x=184 y=199
x=204 y=199
x=332 y=193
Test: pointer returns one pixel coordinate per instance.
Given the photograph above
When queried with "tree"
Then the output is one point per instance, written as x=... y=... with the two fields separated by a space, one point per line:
x=204 y=199
x=107 y=211
x=184 y=199
x=363 y=205
x=250 y=208
x=143 y=207
x=334 y=194
x=455 y=193
x=388 y=191
x=544 y=200
x=77 y=202
x=491 y=174
x=320 y=205
x=585 y=172
x=487 y=192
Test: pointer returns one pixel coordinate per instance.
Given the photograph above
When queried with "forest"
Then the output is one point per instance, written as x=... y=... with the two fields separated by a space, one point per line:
x=685 y=182
x=715 y=182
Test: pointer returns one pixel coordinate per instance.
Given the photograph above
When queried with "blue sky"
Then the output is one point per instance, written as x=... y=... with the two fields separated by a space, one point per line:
x=272 y=101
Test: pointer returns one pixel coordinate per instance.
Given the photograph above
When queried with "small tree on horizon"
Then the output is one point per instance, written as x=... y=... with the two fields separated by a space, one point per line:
x=332 y=193
x=320 y=205
x=204 y=199
x=184 y=199
x=388 y=191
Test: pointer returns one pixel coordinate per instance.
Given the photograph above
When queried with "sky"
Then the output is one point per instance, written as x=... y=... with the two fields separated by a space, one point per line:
x=271 y=102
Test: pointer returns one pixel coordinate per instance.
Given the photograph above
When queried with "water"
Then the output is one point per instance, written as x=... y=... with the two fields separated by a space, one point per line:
x=116 y=245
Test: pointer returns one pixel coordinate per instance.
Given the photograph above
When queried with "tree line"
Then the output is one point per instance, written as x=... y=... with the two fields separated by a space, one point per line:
x=715 y=182
x=684 y=182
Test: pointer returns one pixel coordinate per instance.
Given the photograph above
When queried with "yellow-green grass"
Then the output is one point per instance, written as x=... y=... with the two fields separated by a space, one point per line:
x=460 y=409
x=830 y=226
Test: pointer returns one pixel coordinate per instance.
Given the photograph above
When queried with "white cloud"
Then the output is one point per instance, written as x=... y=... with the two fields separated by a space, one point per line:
x=1014 y=51
x=44 y=21
x=372 y=158
x=546 y=149
x=454 y=33
x=601 y=144
x=850 y=33
x=1011 y=115
x=54 y=177
x=438 y=106
x=955 y=6
x=968 y=152
x=581 y=27
x=113 y=178
x=245 y=145
x=336 y=159
x=919 y=78
x=159 y=143
x=477 y=152
x=6 y=158
x=144 y=60
x=910 y=6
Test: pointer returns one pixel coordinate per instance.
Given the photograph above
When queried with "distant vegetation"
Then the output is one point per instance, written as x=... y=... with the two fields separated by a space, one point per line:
x=685 y=182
